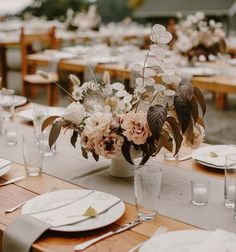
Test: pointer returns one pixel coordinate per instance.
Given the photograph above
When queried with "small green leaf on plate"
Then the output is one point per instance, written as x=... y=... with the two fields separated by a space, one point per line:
x=90 y=212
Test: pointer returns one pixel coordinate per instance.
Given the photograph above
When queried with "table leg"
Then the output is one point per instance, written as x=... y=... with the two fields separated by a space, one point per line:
x=221 y=101
x=3 y=66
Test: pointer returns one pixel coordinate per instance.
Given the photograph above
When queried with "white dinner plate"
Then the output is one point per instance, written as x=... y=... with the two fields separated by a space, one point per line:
x=202 y=155
x=53 y=199
x=19 y=100
x=4 y=166
x=27 y=114
x=179 y=241
x=197 y=71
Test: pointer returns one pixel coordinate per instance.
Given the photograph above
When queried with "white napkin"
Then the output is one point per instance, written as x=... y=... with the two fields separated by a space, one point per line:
x=218 y=241
x=73 y=213
x=4 y=162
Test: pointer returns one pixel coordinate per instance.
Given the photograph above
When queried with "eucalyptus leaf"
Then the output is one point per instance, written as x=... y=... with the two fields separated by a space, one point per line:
x=95 y=155
x=84 y=153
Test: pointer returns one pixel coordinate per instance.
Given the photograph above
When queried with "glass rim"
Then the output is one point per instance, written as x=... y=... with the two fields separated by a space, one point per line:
x=138 y=167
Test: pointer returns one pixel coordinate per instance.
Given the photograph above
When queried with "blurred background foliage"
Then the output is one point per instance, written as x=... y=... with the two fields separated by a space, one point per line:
x=110 y=10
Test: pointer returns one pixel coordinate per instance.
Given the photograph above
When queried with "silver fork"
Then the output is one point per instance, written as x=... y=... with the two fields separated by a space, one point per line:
x=12 y=209
x=160 y=231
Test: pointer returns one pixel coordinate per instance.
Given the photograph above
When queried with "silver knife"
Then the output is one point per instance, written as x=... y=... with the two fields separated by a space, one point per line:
x=84 y=245
x=13 y=180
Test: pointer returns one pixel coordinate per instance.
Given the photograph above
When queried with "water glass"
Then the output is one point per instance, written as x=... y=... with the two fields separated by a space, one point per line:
x=39 y=115
x=44 y=144
x=200 y=191
x=147 y=186
x=11 y=135
x=230 y=178
x=33 y=157
x=7 y=99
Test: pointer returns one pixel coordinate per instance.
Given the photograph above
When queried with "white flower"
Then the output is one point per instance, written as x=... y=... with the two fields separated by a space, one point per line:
x=169 y=92
x=149 y=82
x=118 y=86
x=159 y=87
x=137 y=67
x=77 y=93
x=160 y=35
x=75 y=113
x=121 y=93
x=90 y=85
x=160 y=51
x=98 y=124
x=147 y=72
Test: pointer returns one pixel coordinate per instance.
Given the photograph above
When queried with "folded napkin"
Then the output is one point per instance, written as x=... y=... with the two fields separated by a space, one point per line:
x=26 y=229
x=4 y=162
x=22 y=233
x=218 y=241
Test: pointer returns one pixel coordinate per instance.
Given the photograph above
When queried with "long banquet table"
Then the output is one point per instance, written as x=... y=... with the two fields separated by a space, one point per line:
x=53 y=241
x=221 y=85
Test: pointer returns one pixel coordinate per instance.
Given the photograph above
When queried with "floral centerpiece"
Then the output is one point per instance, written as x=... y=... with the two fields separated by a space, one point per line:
x=161 y=111
x=199 y=37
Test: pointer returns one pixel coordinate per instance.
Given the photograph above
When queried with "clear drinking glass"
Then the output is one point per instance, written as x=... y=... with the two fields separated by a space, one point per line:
x=44 y=144
x=147 y=186
x=7 y=103
x=200 y=191
x=230 y=178
x=11 y=135
x=39 y=115
x=33 y=157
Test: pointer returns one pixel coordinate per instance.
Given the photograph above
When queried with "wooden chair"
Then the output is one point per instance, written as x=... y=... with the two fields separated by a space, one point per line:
x=30 y=80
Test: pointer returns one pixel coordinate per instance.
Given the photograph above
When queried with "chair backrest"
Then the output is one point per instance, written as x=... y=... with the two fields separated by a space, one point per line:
x=28 y=39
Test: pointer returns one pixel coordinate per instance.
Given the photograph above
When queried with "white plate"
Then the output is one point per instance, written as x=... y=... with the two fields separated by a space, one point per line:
x=53 y=199
x=201 y=155
x=28 y=113
x=197 y=71
x=4 y=166
x=19 y=100
x=179 y=241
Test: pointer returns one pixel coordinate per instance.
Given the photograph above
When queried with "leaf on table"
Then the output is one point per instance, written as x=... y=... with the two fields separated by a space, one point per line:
x=90 y=212
x=48 y=121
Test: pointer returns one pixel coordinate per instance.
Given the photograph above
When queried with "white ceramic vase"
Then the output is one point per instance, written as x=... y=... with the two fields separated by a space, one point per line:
x=121 y=168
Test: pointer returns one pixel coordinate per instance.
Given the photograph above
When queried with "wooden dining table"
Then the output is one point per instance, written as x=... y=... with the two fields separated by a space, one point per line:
x=50 y=241
x=220 y=85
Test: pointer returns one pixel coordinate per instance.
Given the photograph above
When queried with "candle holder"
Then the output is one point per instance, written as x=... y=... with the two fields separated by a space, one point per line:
x=200 y=191
x=230 y=178
x=11 y=135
